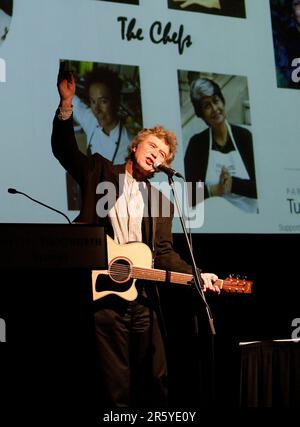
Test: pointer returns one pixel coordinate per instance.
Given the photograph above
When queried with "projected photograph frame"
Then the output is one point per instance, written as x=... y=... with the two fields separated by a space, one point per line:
x=285 y=18
x=231 y=8
x=6 y=14
x=107 y=112
x=216 y=137
x=135 y=2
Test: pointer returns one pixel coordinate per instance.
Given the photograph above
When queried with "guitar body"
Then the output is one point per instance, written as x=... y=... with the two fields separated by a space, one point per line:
x=132 y=261
x=117 y=279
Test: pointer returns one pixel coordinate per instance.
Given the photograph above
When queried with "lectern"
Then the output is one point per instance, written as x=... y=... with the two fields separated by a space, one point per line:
x=47 y=365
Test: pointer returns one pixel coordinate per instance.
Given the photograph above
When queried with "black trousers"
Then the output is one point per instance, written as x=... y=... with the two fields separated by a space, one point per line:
x=131 y=359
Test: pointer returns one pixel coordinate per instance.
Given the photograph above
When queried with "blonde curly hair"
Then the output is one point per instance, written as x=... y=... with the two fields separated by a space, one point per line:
x=160 y=132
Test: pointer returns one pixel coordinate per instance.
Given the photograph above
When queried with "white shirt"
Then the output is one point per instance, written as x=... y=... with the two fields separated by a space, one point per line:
x=97 y=140
x=127 y=213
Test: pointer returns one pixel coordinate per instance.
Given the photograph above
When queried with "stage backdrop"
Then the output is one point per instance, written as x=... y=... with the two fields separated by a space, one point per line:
x=158 y=48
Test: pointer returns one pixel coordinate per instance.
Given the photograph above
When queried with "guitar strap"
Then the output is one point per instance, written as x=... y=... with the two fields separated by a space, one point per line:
x=117 y=142
x=151 y=220
x=152 y=231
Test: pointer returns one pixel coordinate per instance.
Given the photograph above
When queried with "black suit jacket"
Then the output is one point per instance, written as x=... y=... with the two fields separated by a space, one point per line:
x=89 y=172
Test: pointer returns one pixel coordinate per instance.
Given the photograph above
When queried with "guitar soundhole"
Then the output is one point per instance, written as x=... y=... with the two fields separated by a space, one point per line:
x=120 y=270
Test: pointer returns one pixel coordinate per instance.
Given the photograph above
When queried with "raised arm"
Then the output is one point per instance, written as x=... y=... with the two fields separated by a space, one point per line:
x=64 y=144
x=66 y=88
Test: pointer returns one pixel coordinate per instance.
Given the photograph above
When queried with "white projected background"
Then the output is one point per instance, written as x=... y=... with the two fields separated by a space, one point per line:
x=43 y=32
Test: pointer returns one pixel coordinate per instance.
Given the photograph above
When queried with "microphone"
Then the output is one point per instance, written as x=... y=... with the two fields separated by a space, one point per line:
x=170 y=172
x=14 y=191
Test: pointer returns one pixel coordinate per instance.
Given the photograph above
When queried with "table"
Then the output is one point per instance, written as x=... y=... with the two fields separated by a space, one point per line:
x=270 y=373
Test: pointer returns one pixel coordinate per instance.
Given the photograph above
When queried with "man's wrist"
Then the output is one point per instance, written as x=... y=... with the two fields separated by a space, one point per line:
x=65 y=112
x=66 y=104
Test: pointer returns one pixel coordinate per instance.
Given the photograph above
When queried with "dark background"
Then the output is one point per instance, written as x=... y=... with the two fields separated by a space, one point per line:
x=47 y=361
x=271 y=261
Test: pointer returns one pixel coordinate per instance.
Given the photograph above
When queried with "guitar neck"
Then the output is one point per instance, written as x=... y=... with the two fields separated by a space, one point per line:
x=230 y=285
x=161 y=275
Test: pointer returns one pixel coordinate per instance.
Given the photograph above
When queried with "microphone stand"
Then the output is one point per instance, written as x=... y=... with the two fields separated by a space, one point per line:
x=196 y=281
x=14 y=191
x=199 y=289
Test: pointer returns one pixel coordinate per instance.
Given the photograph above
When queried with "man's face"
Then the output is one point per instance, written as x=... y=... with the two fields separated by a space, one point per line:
x=101 y=104
x=296 y=10
x=148 y=151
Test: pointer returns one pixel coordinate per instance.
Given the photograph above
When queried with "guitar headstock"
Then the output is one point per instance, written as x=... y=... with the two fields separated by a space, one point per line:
x=237 y=285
